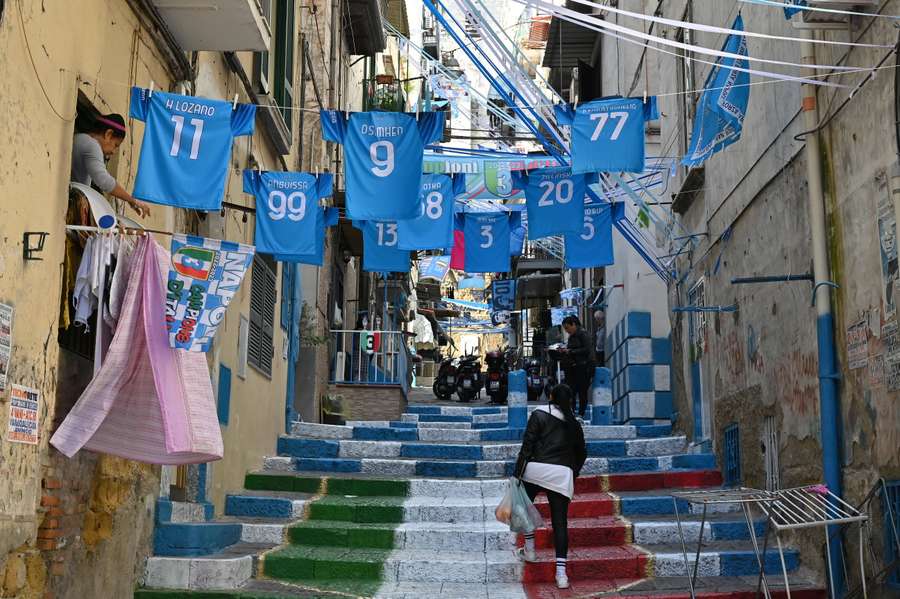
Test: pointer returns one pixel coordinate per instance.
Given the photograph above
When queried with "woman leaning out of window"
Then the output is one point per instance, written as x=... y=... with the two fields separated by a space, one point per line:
x=90 y=152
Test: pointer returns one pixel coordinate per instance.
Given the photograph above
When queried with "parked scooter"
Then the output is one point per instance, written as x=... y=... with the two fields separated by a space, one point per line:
x=468 y=378
x=534 y=380
x=445 y=381
x=497 y=375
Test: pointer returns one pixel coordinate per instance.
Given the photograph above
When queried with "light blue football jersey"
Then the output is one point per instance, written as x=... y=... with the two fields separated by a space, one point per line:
x=554 y=198
x=186 y=147
x=325 y=217
x=383 y=154
x=487 y=242
x=593 y=245
x=381 y=247
x=286 y=208
x=433 y=228
x=608 y=134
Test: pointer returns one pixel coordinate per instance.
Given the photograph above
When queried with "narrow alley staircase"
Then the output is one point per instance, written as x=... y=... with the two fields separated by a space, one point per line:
x=405 y=509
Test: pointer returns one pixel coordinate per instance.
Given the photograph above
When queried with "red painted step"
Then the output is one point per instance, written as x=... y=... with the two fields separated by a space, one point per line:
x=590 y=563
x=579 y=588
x=584 y=505
x=602 y=531
x=606 y=589
x=648 y=481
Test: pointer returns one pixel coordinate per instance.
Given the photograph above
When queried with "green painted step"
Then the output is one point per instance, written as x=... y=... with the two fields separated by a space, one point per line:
x=367 y=487
x=296 y=562
x=365 y=509
x=324 y=533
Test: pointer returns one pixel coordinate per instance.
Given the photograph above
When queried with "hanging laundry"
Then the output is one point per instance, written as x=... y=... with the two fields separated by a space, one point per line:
x=82 y=297
x=287 y=210
x=119 y=280
x=593 y=246
x=325 y=217
x=383 y=159
x=487 y=242
x=608 y=135
x=203 y=277
x=186 y=147
x=555 y=201
x=381 y=247
x=149 y=402
x=433 y=228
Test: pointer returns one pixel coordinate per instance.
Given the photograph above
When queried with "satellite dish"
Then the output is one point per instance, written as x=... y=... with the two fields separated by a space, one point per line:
x=102 y=212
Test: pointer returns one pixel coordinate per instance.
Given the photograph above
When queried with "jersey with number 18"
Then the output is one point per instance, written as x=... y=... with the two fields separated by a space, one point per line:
x=383 y=154
x=186 y=147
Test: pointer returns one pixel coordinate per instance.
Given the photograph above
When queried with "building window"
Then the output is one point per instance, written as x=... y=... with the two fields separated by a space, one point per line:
x=274 y=70
x=770 y=449
x=697 y=299
x=891 y=508
x=260 y=348
x=732 y=472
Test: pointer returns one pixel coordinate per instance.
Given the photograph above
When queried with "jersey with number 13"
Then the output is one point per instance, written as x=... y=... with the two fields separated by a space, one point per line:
x=186 y=147
x=383 y=159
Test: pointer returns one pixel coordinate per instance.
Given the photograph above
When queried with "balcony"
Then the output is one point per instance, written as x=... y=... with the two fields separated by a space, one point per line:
x=216 y=25
x=373 y=358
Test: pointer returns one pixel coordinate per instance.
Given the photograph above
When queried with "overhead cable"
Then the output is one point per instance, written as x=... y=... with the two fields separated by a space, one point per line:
x=834 y=11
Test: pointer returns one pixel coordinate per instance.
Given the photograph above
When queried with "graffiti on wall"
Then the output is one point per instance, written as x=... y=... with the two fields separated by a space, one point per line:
x=887 y=237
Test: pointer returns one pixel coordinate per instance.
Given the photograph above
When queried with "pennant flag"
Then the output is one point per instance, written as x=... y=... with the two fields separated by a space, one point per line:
x=434 y=267
x=723 y=105
x=503 y=295
x=205 y=275
x=790 y=12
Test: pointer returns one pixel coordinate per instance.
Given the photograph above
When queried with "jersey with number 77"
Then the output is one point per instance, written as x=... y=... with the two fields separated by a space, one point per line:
x=383 y=153
x=608 y=134
x=186 y=147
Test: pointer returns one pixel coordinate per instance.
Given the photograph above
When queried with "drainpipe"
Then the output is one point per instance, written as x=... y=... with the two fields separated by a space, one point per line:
x=829 y=409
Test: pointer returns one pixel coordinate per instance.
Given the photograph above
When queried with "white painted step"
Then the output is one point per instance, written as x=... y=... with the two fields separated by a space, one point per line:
x=451 y=590
x=198 y=573
x=463 y=536
x=406 y=565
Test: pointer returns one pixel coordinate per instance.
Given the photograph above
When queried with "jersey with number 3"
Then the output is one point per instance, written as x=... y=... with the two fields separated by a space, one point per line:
x=487 y=242
x=554 y=198
x=381 y=247
x=286 y=207
x=383 y=153
x=433 y=229
x=186 y=147
x=608 y=135
x=593 y=245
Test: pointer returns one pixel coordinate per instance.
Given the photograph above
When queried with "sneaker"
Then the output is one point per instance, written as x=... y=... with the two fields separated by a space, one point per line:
x=524 y=555
x=562 y=581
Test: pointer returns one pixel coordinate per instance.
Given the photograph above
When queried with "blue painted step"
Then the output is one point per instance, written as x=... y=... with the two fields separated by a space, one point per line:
x=194 y=539
x=251 y=506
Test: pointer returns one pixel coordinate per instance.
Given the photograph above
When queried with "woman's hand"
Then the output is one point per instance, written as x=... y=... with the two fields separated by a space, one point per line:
x=142 y=208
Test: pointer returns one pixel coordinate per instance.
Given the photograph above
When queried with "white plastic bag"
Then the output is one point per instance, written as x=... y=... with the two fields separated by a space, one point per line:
x=516 y=509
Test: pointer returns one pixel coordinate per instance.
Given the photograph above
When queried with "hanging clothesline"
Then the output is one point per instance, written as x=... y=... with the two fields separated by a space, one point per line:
x=834 y=11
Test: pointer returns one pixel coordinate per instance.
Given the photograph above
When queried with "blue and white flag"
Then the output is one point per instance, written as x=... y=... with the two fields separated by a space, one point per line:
x=790 y=12
x=723 y=105
x=434 y=267
x=503 y=295
x=204 y=275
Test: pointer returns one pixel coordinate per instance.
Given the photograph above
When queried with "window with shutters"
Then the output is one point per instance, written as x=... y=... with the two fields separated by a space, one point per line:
x=260 y=347
x=274 y=69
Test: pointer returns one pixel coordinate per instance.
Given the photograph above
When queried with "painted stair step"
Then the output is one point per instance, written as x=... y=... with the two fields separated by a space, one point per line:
x=194 y=538
x=228 y=569
x=451 y=590
x=299 y=562
x=329 y=485
x=590 y=563
x=452 y=567
x=181 y=512
x=675 y=587
x=273 y=589
x=261 y=506
x=647 y=481
x=454 y=410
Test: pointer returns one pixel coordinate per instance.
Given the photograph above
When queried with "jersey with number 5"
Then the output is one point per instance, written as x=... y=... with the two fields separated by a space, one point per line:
x=381 y=247
x=433 y=228
x=286 y=208
x=383 y=153
x=186 y=147
x=593 y=245
x=554 y=198
x=608 y=135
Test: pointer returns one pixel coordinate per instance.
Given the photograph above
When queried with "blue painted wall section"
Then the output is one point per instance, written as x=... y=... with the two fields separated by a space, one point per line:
x=602 y=399
x=640 y=372
x=517 y=401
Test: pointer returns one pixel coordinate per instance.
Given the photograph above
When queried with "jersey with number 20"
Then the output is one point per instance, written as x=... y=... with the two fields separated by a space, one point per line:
x=186 y=147
x=383 y=159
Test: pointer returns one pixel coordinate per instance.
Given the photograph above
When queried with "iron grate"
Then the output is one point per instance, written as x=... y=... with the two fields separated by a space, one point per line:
x=891 y=551
x=732 y=473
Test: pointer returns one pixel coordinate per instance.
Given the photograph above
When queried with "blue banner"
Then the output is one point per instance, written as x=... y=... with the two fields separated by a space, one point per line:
x=487 y=242
x=434 y=267
x=723 y=105
x=593 y=245
x=204 y=275
x=503 y=295
x=790 y=12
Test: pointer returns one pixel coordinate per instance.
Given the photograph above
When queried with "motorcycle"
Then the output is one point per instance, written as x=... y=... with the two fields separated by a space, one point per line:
x=497 y=375
x=445 y=381
x=468 y=378
x=534 y=380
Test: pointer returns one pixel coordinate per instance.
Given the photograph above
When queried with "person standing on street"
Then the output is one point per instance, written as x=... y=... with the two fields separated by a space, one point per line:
x=551 y=458
x=580 y=361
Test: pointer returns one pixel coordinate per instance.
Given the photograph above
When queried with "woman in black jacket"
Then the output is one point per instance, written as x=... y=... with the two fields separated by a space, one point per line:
x=552 y=455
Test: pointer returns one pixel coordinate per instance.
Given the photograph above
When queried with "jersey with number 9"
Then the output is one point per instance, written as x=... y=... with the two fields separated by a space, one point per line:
x=286 y=207
x=383 y=159
x=186 y=147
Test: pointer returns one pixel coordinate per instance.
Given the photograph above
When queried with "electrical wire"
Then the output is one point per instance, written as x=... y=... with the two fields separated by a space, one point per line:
x=773 y=3
x=37 y=75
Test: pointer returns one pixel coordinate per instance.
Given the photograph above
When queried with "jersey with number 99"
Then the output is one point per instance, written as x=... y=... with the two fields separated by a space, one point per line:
x=383 y=153
x=286 y=207
x=186 y=147
x=608 y=135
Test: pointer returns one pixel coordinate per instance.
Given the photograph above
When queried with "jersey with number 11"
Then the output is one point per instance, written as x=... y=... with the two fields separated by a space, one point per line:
x=186 y=147
x=383 y=153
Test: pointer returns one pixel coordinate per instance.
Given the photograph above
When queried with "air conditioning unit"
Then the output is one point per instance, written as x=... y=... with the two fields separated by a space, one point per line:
x=811 y=19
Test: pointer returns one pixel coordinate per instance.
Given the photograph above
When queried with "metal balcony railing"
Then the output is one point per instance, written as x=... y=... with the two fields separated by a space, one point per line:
x=370 y=358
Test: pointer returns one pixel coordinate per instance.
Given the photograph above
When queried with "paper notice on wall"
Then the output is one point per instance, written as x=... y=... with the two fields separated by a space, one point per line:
x=887 y=238
x=876 y=370
x=890 y=337
x=858 y=345
x=6 y=321
x=24 y=404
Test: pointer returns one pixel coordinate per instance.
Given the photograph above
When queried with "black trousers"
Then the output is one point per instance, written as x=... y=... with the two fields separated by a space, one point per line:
x=559 y=516
x=579 y=379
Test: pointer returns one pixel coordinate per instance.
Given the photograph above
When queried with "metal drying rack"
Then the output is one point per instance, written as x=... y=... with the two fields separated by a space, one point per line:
x=786 y=509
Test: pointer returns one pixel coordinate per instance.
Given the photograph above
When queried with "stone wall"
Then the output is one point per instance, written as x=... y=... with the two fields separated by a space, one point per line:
x=370 y=402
